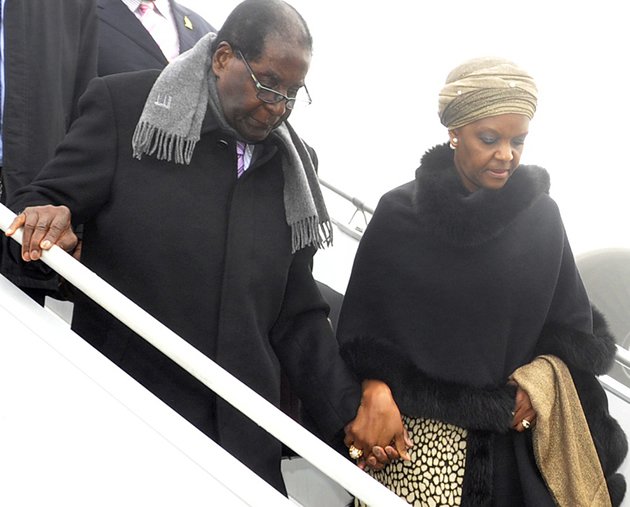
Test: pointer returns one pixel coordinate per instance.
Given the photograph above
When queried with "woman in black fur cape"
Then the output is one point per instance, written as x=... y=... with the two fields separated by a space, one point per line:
x=463 y=276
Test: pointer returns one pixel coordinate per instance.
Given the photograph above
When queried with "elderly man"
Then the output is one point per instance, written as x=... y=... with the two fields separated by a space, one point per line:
x=201 y=203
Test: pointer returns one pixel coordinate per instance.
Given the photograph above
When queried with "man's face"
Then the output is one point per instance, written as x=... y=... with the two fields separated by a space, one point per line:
x=281 y=66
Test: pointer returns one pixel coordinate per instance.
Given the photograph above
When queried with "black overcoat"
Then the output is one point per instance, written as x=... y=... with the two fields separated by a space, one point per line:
x=206 y=253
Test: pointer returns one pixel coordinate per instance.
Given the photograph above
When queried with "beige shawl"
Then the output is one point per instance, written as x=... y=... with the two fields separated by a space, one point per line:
x=564 y=449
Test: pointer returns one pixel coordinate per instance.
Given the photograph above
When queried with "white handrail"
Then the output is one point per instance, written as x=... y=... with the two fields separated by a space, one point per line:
x=622 y=356
x=34 y=330
x=360 y=205
x=615 y=387
x=213 y=376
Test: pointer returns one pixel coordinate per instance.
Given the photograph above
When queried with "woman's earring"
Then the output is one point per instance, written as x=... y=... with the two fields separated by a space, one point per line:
x=453 y=143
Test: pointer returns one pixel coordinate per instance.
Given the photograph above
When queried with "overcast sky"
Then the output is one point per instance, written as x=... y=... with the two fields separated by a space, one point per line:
x=378 y=66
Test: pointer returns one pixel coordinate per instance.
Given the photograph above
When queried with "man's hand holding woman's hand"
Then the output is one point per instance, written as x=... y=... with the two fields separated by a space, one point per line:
x=377 y=431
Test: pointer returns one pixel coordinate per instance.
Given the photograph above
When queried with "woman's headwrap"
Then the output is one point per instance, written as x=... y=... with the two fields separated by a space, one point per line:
x=485 y=87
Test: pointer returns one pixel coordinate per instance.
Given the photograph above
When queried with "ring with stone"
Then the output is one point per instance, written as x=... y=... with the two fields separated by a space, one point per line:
x=526 y=424
x=354 y=452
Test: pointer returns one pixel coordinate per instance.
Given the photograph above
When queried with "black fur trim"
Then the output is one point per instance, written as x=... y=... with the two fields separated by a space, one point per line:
x=419 y=395
x=477 y=488
x=447 y=210
x=593 y=353
x=617 y=489
x=610 y=441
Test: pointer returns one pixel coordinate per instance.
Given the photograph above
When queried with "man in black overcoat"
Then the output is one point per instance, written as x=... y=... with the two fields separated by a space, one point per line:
x=201 y=203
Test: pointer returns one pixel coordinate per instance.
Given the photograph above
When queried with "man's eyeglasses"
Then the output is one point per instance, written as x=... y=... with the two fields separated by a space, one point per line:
x=271 y=96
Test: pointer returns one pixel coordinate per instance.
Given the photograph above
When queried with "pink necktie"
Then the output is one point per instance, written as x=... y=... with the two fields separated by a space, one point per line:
x=144 y=7
x=240 y=158
x=160 y=29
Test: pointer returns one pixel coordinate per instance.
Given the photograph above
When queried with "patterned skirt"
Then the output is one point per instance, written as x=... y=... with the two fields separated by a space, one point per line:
x=435 y=474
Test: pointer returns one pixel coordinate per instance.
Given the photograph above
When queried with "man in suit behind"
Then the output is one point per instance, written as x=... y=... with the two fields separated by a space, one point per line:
x=47 y=59
x=125 y=44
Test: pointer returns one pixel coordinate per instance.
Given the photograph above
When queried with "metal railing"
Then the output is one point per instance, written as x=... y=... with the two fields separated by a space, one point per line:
x=360 y=207
x=623 y=357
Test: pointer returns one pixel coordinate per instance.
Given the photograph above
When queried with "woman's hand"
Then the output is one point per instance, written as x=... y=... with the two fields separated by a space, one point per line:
x=44 y=226
x=377 y=430
x=524 y=413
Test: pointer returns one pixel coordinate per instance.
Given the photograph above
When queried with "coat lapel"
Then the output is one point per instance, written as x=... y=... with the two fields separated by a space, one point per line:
x=186 y=29
x=116 y=14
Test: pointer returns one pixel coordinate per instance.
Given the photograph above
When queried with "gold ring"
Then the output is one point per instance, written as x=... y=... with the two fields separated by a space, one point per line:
x=354 y=452
x=526 y=424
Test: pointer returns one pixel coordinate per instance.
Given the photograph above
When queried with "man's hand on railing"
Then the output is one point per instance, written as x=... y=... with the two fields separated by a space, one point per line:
x=44 y=226
x=377 y=431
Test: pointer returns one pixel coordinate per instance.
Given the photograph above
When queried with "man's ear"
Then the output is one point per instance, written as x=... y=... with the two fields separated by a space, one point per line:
x=221 y=58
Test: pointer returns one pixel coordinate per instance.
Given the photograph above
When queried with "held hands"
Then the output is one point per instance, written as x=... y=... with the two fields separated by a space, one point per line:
x=524 y=414
x=44 y=226
x=377 y=431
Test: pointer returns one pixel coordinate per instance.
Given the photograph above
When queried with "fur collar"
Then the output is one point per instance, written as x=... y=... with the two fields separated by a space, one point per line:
x=446 y=209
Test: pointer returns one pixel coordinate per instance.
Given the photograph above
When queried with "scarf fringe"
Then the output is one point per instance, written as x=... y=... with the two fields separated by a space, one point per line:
x=150 y=140
x=309 y=231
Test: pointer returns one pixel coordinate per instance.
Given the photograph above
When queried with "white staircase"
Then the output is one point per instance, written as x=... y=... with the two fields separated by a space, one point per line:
x=75 y=430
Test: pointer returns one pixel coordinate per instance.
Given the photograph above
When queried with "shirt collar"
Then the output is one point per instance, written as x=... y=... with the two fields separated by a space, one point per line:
x=132 y=5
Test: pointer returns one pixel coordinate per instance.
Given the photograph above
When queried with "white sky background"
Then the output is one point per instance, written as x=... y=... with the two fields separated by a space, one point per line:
x=378 y=66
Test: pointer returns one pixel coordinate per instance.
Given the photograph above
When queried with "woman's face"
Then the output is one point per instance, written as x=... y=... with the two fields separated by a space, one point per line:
x=488 y=151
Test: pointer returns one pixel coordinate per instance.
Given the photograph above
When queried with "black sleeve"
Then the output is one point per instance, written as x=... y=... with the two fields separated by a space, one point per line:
x=304 y=342
x=80 y=174
x=79 y=177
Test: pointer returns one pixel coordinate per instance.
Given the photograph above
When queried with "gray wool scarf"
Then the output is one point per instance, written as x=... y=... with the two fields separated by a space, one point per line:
x=170 y=126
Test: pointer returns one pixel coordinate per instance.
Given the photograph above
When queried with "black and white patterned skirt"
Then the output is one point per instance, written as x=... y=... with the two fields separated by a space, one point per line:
x=435 y=474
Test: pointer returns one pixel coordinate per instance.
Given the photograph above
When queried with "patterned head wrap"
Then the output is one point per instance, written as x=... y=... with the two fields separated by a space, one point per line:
x=485 y=87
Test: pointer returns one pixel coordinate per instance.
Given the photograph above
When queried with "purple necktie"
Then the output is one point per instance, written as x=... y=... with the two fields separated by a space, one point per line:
x=240 y=158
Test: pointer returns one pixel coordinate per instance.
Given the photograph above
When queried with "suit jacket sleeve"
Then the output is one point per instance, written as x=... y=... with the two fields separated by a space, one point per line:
x=50 y=56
